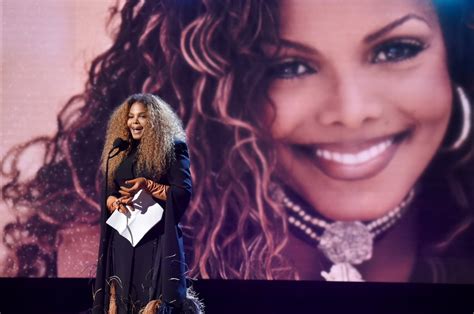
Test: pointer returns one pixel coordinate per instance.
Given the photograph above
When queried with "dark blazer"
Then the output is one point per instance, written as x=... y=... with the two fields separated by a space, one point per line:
x=169 y=264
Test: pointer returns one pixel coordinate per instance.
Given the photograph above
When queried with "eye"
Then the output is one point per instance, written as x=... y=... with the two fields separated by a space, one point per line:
x=288 y=69
x=397 y=50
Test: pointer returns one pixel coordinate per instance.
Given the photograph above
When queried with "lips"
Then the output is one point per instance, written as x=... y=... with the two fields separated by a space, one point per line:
x=353 y=160
x=358 y=158
x=136 y=130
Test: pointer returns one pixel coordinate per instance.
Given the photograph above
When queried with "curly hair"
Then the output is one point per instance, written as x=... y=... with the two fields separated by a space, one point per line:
x=207 y=58
x=156 y=150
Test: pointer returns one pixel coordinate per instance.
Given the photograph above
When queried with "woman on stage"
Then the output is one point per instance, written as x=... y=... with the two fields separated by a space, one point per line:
x=305 y=119
x=149 y=275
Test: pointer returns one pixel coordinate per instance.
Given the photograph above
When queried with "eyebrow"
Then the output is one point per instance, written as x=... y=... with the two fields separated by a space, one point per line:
x=388 y=28
x=287 y=43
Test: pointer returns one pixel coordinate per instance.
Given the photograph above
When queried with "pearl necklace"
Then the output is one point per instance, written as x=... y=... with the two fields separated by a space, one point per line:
x=344 y=243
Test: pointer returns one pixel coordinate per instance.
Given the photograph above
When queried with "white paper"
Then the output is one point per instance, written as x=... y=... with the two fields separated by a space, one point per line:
x=136 y=223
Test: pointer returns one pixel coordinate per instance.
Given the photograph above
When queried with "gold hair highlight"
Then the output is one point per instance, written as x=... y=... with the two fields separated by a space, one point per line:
x=156 y=149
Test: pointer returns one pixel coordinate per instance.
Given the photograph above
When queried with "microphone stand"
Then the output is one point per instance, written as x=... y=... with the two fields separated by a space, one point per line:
x=119 y=145
x=104 y=230
x=107 y=172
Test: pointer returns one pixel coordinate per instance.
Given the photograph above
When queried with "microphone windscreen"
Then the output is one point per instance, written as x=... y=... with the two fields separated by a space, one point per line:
x=120 y=143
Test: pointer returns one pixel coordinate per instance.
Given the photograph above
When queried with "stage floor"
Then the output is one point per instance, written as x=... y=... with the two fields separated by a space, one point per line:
x=23 y=295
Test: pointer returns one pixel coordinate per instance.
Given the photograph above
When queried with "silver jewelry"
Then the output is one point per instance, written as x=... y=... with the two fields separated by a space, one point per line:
x=466 y=120
x=344 y=243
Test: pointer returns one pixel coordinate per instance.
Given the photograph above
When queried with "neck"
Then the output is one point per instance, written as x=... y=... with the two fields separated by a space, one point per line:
x=134 y=144
x=392 y=260
x=353 y=251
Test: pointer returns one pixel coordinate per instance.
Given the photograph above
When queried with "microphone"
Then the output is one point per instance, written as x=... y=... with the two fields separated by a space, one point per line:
x=119 y=144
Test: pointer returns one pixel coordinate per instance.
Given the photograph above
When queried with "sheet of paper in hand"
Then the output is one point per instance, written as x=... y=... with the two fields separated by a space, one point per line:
x=136 y=223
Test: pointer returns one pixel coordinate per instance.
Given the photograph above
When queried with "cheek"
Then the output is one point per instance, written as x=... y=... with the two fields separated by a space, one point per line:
x=423 y=91
x=431 y=87
x=426 y=94
x=293 y=103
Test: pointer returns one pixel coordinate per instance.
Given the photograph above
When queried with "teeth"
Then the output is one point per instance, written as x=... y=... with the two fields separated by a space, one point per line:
x=358 y=158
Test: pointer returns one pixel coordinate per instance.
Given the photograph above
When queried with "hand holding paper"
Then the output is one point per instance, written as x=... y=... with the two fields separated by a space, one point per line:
x=136 y=223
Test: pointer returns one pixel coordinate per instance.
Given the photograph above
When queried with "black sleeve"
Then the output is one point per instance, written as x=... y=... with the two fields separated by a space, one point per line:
x=113 y=190
x=180 y=180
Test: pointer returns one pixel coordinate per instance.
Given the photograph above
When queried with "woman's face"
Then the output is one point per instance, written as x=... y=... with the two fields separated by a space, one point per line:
x=362 y=100
x=137 y=120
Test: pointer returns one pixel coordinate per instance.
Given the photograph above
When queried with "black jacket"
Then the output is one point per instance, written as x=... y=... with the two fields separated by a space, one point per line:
x=169 y=265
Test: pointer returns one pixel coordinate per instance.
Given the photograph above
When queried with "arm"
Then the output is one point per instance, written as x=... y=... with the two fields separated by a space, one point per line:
x=113 y=201
x=180 y=187
x=179 y=176
x=156 y=190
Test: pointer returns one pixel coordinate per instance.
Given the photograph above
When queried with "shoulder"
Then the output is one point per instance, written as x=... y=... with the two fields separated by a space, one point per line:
x=180 y=148
x=181 y=156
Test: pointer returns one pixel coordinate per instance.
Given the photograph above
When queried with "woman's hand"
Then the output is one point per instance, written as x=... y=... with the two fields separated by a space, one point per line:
x=156 y=190
x=128 y=193
x=114 y=203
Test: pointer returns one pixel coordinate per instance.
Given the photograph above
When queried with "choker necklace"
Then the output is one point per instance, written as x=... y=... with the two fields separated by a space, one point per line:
x=344 y=243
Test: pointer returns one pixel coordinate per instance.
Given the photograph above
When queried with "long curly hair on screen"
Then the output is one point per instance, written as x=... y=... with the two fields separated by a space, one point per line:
x=208 y=60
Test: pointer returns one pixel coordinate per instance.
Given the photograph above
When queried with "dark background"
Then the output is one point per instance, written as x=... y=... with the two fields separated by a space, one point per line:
x=57 y=295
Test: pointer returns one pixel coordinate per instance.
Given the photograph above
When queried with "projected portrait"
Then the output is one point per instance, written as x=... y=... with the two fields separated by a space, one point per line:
x=330 y=140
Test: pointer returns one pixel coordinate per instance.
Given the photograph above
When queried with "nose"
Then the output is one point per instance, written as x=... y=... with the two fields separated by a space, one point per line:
x=350 y=103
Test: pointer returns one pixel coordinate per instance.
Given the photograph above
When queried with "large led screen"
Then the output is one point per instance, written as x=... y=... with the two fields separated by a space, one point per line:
x=329 y=140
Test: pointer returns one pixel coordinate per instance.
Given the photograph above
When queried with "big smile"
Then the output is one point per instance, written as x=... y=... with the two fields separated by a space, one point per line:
x=354 y=160
x=136 y=130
